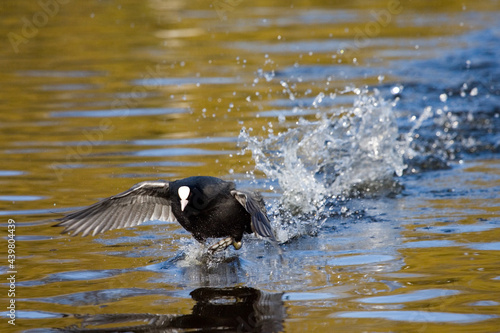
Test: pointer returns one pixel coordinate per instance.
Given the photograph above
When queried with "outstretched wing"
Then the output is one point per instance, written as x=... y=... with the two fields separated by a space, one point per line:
x=149 y=200
x=254 y=205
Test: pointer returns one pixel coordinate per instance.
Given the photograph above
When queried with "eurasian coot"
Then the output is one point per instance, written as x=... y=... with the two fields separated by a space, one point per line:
x=205 y=206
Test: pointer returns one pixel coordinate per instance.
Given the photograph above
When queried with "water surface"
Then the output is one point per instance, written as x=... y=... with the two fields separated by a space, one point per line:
x=371 y=127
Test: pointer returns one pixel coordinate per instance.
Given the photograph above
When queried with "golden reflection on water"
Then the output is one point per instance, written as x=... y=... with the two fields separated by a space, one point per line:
x=93 y=57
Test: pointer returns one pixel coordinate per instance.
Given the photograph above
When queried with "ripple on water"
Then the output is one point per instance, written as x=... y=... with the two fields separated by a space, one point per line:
x=10 y=173
x=20 y=314
x=418 y=295
x=178 y=152
x=460 y=228
x=28 y=212
x=83 y=275
x=178 y=81
x=304 y=296
x=117 y=113
x=363 y=259
x=417 y=316
x=98 y=296
x=494 y=246
x=430 y=244
x=14 y=198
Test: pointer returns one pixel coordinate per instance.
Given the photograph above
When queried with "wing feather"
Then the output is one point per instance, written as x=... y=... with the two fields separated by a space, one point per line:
x=149 y=200
x=254 y=205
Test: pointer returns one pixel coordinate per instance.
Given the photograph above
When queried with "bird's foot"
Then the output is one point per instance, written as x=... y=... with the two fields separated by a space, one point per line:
x=237 y=245
x=224 y=244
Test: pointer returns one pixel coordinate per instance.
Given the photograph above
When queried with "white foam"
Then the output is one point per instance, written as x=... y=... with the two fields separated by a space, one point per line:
x=348 y=149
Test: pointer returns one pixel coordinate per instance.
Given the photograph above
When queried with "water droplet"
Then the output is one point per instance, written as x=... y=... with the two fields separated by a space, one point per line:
x=395 y=90
x=443 y=97
x=269 y=75
x=318 y=99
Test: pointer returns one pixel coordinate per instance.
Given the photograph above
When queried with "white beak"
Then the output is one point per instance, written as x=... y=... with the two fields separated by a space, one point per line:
x=184 y=203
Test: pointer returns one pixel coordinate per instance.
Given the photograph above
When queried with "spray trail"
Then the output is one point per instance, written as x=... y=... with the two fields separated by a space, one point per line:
x=354 y=151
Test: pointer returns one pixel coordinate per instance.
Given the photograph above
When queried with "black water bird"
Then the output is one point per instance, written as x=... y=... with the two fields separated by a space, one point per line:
x=207 y=207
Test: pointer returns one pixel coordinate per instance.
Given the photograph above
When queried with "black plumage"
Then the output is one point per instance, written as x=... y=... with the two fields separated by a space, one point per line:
x=207 y=207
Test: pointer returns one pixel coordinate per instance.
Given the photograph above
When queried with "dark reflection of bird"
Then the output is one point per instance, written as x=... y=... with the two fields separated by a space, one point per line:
x=239 y=309
x=207 y=207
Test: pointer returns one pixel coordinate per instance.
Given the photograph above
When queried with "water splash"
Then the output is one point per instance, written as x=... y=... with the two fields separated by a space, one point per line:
x=354 y=151
x=192 y=253
x=287 y=90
